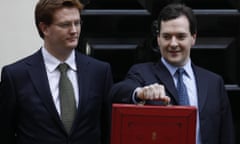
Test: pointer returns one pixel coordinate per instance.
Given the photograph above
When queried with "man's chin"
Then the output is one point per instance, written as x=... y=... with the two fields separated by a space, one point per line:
x=72 y=45
x=174 y=61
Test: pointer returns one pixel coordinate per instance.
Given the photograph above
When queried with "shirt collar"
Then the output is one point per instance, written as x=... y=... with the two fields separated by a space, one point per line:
x=172 y=69
x=52 y=62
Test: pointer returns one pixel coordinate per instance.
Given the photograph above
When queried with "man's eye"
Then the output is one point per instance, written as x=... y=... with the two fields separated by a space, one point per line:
x=65 y=25
x=181 y=37
x=167 y=37
x=68 y=24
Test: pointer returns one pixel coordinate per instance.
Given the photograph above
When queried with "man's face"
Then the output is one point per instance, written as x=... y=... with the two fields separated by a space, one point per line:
x=175 y=40
x=63 y=34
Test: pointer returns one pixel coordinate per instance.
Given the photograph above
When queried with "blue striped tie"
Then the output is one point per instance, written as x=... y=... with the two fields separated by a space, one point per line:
x=181 y=88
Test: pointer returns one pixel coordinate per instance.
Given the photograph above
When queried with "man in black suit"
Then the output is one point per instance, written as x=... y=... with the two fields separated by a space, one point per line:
x=30 y=107
x=156 y=83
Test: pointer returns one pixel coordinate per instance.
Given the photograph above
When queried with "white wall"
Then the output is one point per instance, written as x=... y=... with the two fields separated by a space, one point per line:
x=18 y=34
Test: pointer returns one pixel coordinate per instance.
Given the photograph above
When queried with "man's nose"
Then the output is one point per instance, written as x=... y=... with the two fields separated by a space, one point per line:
x=73 y=28
x=173 y=42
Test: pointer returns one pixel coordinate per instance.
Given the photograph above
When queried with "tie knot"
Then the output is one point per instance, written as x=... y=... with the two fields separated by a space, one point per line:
x=180 y=71
x=63 y=67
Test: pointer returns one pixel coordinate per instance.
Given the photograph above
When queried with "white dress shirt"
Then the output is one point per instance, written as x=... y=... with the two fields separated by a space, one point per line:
x=51 y=64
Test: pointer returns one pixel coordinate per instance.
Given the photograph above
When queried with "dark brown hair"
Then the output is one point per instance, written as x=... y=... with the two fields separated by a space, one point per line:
x=175 y=10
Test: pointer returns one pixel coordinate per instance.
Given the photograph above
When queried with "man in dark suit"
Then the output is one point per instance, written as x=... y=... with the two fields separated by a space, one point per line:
x=30 y=103
x=156 y=83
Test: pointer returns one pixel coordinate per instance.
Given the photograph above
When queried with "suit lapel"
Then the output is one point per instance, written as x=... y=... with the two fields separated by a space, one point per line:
x=39 y=78
x=83 y=83
x=165 y=78
x=202 y=86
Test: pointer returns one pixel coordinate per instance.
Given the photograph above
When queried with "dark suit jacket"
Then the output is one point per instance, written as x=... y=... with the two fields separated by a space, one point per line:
x=215 y=114
x=28 y=114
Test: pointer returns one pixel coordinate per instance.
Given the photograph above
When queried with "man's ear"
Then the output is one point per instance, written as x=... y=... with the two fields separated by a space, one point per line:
x=194 y=37
x=43 y=27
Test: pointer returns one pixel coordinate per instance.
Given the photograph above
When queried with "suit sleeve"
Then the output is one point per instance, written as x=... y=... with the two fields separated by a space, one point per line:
x=122 y=91
x=227 y=128
x=7 y=108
